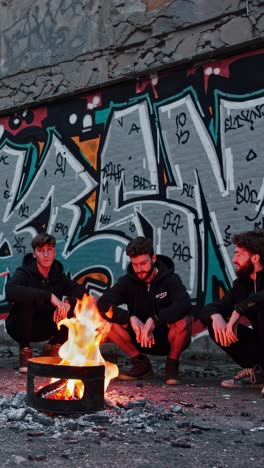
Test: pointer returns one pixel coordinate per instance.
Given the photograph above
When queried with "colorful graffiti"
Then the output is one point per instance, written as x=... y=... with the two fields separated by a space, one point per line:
x=177 y=157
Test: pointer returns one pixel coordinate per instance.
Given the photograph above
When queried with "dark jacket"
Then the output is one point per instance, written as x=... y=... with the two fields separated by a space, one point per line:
x=28 y=286
x=246 y=297
x=166 y=298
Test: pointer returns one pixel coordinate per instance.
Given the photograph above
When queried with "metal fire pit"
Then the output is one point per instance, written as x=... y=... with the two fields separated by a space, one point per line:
x=48 y=367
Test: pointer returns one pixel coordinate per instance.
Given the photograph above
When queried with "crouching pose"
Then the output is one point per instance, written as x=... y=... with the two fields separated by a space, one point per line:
x=246 y=298
x=36 y=291
x=157 y=319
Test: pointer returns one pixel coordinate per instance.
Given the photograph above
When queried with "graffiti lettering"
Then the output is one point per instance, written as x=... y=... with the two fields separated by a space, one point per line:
x=23 y=210
x=3 y=159
x=134 y=128
x=113 y=172
x=61 y=163
x=251 y=155
x=248 y=116
x=61 y=227
x=227 y=237
x=182 y=135
x=105 y=219
x=259 y=224
x=181 y=253
x=19 y=246
x=246 y=195
x=172 y=222
x=187 y=190
x=132 y=227
x=7 y=192
x=142 y=183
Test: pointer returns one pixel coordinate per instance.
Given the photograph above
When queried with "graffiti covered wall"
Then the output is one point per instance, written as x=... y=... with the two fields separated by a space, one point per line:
x=176 y=157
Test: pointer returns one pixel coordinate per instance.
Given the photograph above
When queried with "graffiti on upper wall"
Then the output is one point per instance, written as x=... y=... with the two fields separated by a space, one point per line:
x=176 y=157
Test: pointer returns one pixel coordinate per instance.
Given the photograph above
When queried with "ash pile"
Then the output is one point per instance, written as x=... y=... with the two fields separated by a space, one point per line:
x=139 y=414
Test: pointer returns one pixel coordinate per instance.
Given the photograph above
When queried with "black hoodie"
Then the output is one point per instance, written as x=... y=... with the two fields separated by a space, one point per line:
x=166 y=296
x=28 y=286
x=246 y=297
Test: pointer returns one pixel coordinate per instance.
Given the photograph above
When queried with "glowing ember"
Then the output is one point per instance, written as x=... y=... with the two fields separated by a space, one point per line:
x=86 y=331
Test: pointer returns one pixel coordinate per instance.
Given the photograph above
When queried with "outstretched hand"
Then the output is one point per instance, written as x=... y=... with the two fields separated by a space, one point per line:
x=61 y=308
x=137 y=326
x=147 y=337
x=231 y=328
x=4 y=273
x=219 y=327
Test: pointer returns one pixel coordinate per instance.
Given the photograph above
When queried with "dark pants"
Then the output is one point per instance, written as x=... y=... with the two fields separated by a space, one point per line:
x=26 y=323
x=248 y=351
x=183 y=328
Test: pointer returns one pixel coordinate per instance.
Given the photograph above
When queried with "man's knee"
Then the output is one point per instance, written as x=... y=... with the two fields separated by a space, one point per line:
x=182 y=325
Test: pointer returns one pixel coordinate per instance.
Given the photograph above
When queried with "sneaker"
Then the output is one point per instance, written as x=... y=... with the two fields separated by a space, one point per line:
x=141 y=369
x=172 y=371
x=262 y=392
x=246 y=378
x=24 y=355
x=51 y=350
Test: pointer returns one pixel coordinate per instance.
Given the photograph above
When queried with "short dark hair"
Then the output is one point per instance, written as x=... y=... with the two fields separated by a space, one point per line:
x=42 y=239
x=253 y=241
x=140 y=246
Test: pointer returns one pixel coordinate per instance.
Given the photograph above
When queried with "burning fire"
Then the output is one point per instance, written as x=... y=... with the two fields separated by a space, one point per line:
x=86 y=331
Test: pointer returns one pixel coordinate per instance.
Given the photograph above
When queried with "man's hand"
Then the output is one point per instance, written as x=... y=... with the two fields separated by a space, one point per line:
x=4 y=273
x=147 y=338
x=137 y=326
x=231 y=328
x=61 y=308
x=219 y=327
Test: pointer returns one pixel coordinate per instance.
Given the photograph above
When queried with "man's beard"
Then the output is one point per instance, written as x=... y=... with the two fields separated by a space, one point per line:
x=149 y=273
x=246 y=270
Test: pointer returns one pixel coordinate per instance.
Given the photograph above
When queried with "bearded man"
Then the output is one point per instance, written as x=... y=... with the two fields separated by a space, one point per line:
x=157 y=320
x=244 y=344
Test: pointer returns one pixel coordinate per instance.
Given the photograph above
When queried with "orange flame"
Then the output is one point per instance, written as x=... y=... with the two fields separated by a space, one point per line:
x=86 y=331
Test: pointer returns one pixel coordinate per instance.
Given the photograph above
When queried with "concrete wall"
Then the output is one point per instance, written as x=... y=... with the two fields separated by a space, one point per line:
x=50 y=49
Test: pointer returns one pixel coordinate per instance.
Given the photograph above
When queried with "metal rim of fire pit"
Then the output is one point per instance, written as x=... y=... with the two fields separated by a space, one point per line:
x=91 y=376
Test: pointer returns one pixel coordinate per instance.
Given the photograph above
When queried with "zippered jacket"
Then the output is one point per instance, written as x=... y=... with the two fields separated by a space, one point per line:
x=28 y=286
x=165 y=297
x=246 y=297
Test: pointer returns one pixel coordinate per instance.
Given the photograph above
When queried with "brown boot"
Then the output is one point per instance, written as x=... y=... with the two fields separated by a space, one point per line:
x=141 y=369
x=172 y=371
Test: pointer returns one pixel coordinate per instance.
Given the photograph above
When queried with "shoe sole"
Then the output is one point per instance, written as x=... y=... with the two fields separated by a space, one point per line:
x=226 y=384
x=173 y=382
x=129 y=378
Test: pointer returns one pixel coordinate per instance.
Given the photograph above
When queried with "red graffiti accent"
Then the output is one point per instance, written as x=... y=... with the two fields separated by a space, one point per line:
x=220 y=67
x=141 y=85
x=93 y=100
x=39 y=115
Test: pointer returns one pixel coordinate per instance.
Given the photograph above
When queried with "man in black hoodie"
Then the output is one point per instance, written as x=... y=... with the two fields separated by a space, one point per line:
x=157 y=319
x=246 y=298
x=36 y=290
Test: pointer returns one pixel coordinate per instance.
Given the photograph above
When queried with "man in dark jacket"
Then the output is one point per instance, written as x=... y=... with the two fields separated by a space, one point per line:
x=246 y=298
x=36 y=290
x=157 y=319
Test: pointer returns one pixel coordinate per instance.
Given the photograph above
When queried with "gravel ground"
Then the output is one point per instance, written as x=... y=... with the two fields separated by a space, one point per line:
x=144 y=423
